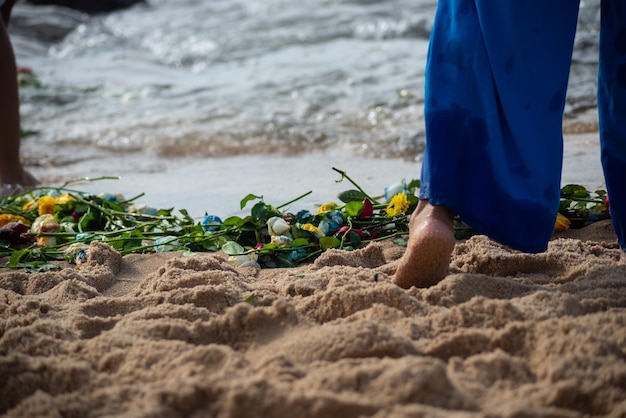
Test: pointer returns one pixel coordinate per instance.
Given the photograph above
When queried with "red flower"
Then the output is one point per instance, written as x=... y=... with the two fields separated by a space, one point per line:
x=344 y=229
x=13 y=231
x=368 y=210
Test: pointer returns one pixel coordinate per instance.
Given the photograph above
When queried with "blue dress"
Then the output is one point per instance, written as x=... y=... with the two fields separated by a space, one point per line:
x=496 y=80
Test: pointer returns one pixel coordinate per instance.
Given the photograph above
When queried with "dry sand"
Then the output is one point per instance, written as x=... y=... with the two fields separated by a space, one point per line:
x=506 y=334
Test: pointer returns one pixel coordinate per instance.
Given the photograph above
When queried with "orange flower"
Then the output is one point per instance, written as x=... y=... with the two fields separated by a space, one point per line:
x=562 y=223
x=6 y=218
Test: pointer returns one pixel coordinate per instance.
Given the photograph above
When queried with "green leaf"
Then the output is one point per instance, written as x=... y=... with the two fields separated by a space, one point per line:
x=250 y=298
x=85 y=220
x=300 y=242
x=40 y=267
x=329 y=242
x=413 y=185
x=574 y=191
x=355 y=239
x=233 y=248
x=235 y=221
x=259 y=211
x=248 y=198
x=354 y=208
x=160 y=212
x=351 y=196
x=268 y=248
x=186 y=215
x=17 y=256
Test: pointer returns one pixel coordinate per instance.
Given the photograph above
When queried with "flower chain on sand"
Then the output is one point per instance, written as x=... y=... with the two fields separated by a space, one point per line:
x=44 y=225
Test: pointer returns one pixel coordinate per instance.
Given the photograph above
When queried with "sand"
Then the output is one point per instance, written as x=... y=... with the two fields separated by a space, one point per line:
x=506 y=334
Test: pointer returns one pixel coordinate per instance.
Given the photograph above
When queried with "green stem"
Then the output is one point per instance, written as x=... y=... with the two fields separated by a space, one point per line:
x=345 y=175
x=64 y=185
x=295 y=200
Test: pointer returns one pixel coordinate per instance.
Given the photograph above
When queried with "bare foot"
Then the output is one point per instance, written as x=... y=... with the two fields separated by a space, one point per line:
x=431 y=241
x=622 y=259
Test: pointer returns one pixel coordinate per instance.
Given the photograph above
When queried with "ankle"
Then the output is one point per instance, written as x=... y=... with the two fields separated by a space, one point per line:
x=426 y=211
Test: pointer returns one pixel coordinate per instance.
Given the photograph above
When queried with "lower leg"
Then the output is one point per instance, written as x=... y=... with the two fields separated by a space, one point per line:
x=431 y=241
x=11 y=170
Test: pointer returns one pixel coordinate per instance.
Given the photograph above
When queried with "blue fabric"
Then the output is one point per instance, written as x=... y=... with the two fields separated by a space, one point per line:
x=496 y=80
x=612 y=109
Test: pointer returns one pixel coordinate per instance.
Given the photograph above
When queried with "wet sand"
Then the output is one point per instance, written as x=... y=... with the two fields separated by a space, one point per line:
x=217 y=185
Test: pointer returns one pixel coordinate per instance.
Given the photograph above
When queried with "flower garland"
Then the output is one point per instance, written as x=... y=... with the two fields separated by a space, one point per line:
x=46 y=224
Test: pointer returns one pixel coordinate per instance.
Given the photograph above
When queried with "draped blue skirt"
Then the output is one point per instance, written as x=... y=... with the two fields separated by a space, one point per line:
x=496 y=80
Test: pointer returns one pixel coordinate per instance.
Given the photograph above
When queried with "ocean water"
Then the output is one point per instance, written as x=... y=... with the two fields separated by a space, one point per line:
x=153 y=87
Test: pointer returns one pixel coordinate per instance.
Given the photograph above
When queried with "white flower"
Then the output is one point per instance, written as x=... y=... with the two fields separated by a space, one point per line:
x=280 y=240
x=165 y=244
x=67 y=227
x=73 y=249
x=277 y=226
x=45 y=223
x=394 y=189
x=244 y=260
x=142 y=209
x=79 y=252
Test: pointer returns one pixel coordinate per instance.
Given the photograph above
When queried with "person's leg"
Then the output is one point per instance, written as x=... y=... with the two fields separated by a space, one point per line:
x=496 y=80
x=5 y=8
x=11 y=170
x=612 y=111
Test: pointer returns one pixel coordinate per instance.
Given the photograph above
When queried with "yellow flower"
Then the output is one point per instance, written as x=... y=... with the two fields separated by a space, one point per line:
x=327 y=207
x=398 y=204
x=314 y=230
x=562 y=223
x=63 y=199
x=46 y=205
x=5 y=218
x=28 y=205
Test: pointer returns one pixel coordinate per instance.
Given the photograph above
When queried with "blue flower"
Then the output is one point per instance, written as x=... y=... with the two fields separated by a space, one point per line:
x=331 y=222
x=211 y=222
x=296 y=254
x=335 y=220
x=303 y=215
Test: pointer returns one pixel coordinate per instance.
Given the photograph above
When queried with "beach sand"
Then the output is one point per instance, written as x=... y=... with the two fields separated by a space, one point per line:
x=506 y=334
